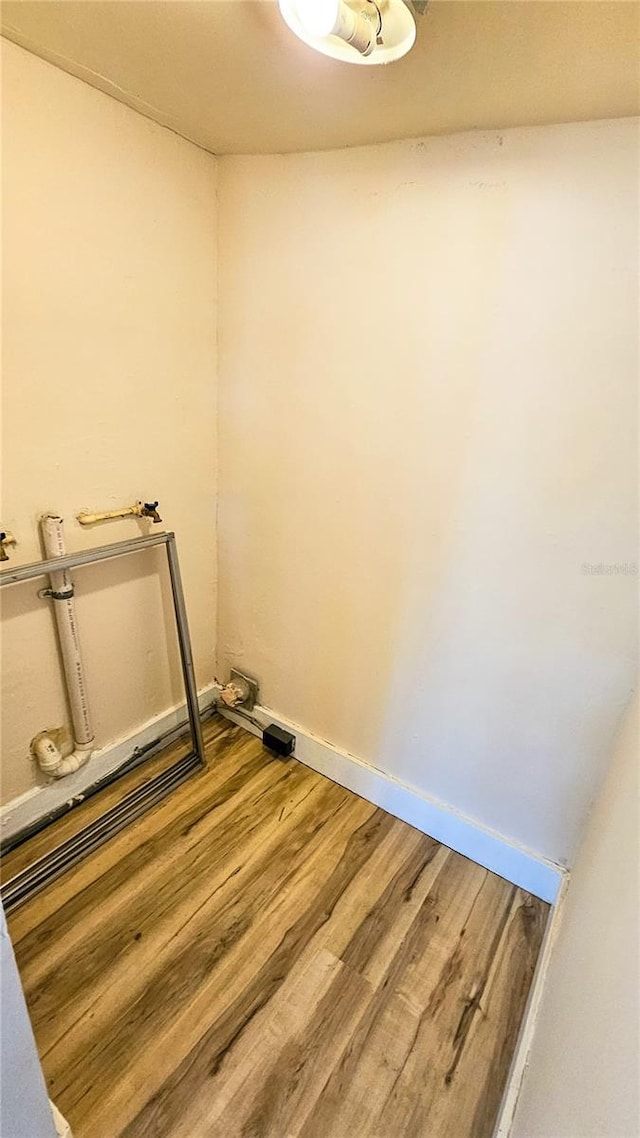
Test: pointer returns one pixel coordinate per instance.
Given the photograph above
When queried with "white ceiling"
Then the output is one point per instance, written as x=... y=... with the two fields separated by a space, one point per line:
x=229 y=75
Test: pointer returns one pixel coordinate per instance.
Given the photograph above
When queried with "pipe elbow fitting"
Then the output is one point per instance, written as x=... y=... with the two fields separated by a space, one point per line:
x=50 y=759
x=72 y=763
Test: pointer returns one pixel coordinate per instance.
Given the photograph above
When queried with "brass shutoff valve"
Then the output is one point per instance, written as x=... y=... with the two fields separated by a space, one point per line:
x=6 y=538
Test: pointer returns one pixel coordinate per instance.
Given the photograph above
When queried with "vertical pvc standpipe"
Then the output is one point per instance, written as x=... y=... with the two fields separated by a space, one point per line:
x=49 y=757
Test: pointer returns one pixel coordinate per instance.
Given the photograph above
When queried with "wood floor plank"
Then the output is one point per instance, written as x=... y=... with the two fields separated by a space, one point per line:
x=145 y=904
x=357 y=1092
x=386 y=864
x=442 y=1025
x=477 y=1076
x=285 y=933
x=266 y=955
x=285 y=1091
x=173 y=973
x=169 y=923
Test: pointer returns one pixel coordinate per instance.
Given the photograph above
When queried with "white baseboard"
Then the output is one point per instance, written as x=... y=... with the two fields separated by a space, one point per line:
x=41 y=800
x=465 y=835
x=63 y=1130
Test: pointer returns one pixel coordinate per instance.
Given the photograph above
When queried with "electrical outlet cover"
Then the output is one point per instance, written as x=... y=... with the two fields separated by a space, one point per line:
x=241 y=677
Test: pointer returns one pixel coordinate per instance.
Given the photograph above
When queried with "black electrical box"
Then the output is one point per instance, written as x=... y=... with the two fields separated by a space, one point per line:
x=279 y=741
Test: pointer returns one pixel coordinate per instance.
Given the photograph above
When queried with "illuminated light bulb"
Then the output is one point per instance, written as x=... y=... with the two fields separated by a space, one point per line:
x=357 y=27
x=358 y=31
x=319 y=17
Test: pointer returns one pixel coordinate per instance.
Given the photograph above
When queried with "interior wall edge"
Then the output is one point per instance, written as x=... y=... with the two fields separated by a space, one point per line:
x=98 y=82
x=450 y=138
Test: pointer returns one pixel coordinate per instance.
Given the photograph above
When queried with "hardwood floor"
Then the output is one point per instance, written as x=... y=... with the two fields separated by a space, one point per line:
x=266 y=954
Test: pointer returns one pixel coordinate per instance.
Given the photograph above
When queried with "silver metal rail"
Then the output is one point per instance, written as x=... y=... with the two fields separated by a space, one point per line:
x=121 y=549
x=137 y=801
x=83 y=557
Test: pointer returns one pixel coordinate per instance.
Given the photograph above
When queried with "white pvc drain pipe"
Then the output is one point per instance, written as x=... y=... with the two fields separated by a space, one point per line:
x=47 y=746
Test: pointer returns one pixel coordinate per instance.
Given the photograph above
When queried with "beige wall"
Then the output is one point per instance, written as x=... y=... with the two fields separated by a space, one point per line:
x=427 y=367
x=109 y=392
x=582 y=1079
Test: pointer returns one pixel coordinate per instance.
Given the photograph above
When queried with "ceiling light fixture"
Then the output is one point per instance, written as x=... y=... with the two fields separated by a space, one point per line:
x=355 y=31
